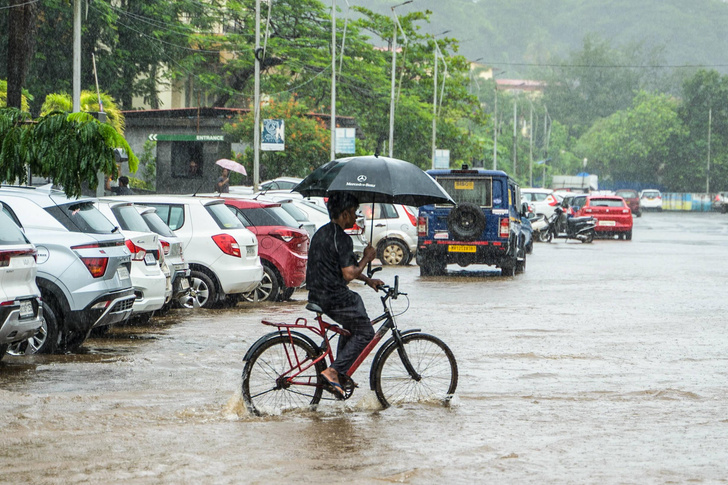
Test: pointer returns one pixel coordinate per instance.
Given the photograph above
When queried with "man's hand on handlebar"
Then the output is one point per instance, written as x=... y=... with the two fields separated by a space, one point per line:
x=375 y=283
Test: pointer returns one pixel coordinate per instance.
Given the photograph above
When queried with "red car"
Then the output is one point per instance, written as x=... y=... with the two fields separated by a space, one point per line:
x=632 y=198
x=282 y=247
x=612 y=213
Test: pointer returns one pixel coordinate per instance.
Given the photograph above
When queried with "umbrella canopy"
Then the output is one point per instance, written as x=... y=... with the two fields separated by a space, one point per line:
x=231 y=165
x=375 y=179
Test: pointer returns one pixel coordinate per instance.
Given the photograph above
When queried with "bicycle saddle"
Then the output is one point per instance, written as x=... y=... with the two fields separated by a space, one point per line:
x=314 y=307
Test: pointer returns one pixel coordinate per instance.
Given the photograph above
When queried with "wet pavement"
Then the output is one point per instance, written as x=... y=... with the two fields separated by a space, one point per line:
x=603 y=363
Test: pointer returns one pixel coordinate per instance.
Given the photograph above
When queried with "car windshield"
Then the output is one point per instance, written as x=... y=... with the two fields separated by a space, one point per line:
x=627 y=194
x=129 y=218
x=157 y=225
x=82 y=217
x=294 y=212
x=224 y=217
x=10 y=233
x=477 y=191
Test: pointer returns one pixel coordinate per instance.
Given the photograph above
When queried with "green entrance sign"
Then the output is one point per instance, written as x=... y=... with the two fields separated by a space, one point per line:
x=157 y=137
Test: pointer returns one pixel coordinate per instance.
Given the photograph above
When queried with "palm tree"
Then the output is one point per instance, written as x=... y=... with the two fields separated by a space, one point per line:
x=89 y=103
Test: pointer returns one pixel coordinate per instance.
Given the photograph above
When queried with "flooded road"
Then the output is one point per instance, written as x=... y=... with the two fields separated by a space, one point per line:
x=602 y=363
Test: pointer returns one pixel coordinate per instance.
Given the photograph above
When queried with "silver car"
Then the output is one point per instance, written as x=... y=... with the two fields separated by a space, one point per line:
x=83 y=266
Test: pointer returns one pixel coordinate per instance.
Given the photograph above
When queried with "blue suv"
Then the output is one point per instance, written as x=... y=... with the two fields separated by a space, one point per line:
x=484 y=227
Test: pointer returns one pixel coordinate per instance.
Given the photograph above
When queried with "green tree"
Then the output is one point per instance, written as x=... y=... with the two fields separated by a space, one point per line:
x=89 y=102
x=69 y=149
x=307 y=140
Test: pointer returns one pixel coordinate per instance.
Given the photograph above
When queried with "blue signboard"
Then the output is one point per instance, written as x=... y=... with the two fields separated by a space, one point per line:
x=272 y=136
x=345 y=140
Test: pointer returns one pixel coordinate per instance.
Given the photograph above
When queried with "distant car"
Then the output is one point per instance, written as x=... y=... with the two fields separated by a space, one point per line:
x=612 y=213
x=222 y=254
x=394 y=232
x=632 y=198
x=720 y=203
x=282 y=246
x=544 y=201
x=280 y=183
x=650 y=199
x=20 y=305
x=83 y=266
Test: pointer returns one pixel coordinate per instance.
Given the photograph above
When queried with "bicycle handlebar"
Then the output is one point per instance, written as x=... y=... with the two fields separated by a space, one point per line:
x=392 y=291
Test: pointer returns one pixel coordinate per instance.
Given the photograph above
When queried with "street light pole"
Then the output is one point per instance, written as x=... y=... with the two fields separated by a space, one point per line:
x=333 y=79
x=256 y=108
x=394 y=72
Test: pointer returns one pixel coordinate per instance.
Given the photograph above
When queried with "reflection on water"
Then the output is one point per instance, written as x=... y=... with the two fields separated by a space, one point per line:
x=603 y=363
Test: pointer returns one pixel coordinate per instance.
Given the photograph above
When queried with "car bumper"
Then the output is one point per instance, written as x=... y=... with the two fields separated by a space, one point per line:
x=150 y=288
x=239 y=278
x=465 y=253
x=294 y=270
x=180 y=283
x=612 y=226
x=14 y=328
x=111 y=308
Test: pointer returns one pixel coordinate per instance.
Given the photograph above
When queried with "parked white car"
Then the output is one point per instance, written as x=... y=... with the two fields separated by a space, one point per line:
x=651 y=200
x=147 y=277
x=222 y=254
x=171 y=249
x=543 y=201
x=20 y=305
x=393 y=232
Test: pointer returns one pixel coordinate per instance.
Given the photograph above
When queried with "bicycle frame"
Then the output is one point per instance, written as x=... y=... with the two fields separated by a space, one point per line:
x=298 y=367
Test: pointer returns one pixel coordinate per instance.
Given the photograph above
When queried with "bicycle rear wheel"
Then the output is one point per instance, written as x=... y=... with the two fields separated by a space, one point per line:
x=433 y=361
x=280 y=377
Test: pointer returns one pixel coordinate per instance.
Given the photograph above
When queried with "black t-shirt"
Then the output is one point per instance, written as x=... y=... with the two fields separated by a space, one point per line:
x=331 y=249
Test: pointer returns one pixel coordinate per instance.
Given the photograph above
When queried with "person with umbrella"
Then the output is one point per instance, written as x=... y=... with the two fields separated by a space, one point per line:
x=331 y=266
x=223 y=182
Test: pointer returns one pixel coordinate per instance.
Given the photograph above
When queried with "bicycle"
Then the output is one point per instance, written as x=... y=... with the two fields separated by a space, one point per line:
x=282 y=370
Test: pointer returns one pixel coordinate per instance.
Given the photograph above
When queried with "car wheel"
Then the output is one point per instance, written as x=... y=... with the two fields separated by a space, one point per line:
x=508 y=269
x=430 y=266
x=393 y=252
x=45 y=340
x=285 y=293
x=268 y=288
x=202 y=291
x=628 y=235
x=521 y=265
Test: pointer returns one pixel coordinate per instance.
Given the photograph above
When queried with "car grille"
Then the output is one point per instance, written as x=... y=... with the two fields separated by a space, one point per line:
x=123 y=305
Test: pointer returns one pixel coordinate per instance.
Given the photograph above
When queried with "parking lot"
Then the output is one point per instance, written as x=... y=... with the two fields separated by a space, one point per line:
x=602 y=363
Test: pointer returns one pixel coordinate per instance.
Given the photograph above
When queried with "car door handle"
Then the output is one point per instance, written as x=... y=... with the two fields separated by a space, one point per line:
x=379 y=225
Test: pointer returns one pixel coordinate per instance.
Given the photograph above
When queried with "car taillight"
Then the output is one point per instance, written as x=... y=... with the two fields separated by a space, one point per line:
x=227 y=244
x=6 y=255
x=422 y=226
x=284 y=235
x=96 y=266
x=137 y=253
x=505 y=227
x=552 y=200
x=355 y=229
x=165 y=247
x=412 y=217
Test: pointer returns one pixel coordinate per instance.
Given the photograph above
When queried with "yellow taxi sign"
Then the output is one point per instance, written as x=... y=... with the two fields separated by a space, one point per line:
x=464 y=185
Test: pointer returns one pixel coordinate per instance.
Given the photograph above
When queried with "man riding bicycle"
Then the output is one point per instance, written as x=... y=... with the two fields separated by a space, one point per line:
x=332 y=264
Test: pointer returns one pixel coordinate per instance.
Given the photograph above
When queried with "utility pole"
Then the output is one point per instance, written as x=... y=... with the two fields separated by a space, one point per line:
x=530 y=148
x=394 y=76
x=256 y=110
x=434 y=109
x=515 y=135
x=333 y=79
x=76 y=56
x=707 y=177
x=495 y=128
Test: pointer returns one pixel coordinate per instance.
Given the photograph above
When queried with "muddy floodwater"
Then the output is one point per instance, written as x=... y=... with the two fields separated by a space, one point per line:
x=602 y=363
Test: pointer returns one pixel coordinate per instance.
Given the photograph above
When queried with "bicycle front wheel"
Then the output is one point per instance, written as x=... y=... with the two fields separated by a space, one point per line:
x=280 y=376
x=434 y=364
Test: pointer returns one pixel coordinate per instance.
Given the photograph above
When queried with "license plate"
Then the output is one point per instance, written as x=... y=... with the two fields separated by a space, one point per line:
x=26 y=309
x=464 y=185
x=460 y=248
x=122 y=272
x=607 y=223
x=184 y=283
x=149 y=259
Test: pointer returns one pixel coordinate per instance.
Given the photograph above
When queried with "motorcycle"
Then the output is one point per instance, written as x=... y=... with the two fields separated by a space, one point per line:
x=539 y=224
x=561 y=225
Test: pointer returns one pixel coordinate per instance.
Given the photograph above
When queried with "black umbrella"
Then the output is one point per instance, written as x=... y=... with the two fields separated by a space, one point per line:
x=375 y=179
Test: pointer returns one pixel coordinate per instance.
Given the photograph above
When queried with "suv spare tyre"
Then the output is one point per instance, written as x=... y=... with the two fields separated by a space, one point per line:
x=466 y=222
